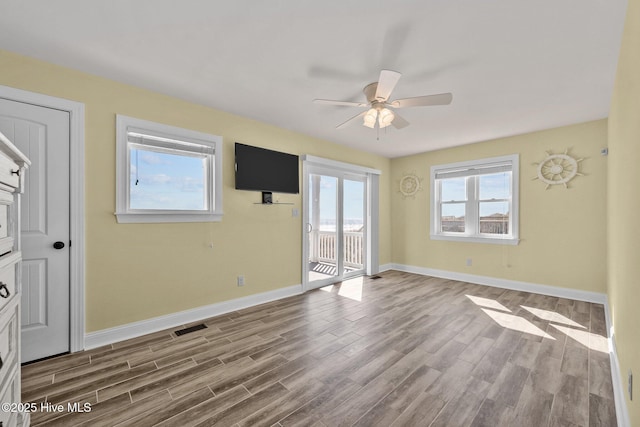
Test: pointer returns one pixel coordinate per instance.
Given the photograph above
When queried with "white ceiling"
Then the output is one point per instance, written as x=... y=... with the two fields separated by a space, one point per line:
x=513 y=66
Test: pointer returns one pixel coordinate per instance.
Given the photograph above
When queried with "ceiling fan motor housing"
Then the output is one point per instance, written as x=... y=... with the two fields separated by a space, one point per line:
x=370 y=92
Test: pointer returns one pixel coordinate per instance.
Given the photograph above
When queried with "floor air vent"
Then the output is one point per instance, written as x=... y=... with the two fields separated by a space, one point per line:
x=191 y=329
x=375 y=277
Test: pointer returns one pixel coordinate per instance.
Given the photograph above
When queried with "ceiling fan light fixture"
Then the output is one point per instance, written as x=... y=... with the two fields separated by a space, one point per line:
x=370 y=118
x=385 y=117
x=378 y=94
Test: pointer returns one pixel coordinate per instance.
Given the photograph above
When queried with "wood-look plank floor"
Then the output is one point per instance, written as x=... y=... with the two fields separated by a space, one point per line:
x=402 y=350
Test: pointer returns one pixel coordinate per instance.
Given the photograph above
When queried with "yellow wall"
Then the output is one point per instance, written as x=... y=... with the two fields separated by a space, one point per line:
x=139 y=271
x=562 y=231
x=624 y=206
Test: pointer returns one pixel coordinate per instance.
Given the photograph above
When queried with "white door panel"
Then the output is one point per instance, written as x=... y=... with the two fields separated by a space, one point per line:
x=42 y=134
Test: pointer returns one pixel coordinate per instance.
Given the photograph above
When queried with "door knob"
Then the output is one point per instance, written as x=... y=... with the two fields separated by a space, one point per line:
x=58 y=245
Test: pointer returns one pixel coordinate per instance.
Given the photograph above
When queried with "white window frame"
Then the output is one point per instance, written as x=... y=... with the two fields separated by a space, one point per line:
x=472 y=234
x=124 y=213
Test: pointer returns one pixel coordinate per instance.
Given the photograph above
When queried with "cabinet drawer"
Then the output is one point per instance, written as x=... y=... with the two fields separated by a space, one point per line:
x=9 y=171
x=7 y=284
x=4 y=221
x=10 y=394
x=6 y=236
x=8 y=341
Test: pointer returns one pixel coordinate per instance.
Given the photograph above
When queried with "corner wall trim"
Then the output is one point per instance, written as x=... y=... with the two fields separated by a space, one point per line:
x=143 y=327
x=622 y=413
x=576 y=294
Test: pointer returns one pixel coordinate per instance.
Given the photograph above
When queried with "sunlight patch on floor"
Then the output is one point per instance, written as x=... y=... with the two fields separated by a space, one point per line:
x=488 y=303
x=516 y=323
x=352 y=288
x=552 y=316
x=572 y=329
x=587 y=339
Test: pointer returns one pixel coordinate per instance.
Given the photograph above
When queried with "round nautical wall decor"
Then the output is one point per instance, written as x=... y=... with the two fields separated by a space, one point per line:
x=558 y=169
x=409 y=185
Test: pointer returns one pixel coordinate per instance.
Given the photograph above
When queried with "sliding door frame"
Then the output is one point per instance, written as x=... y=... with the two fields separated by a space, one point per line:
x=313 y=164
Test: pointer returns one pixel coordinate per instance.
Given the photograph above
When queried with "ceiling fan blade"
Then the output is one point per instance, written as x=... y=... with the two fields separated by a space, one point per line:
x=340 y=103
x=387 y=81
x=352 y=119
x=423 y=101
x=399 y=122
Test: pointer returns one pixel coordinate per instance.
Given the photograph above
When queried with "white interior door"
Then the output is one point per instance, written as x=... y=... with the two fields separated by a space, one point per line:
x=42 y=134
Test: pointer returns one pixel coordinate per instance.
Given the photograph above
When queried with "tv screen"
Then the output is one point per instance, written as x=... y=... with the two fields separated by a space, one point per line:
x=260 y=169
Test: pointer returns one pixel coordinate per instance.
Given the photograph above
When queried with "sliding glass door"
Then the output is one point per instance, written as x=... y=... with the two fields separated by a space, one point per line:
x=353 y=226
x=336 y=226
x=322 y=263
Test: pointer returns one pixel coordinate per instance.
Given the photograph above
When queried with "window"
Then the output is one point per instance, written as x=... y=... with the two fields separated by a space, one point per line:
x=166 y=174
x=476 y=201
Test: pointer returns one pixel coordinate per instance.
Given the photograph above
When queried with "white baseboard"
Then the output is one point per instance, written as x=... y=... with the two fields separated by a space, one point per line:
x=622 y=413
x=576 y=294
x=136 y=329
x=385 y=267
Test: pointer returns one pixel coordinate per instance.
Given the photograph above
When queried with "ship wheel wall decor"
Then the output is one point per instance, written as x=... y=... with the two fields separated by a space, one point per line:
x=409 y=185
x=558 y=169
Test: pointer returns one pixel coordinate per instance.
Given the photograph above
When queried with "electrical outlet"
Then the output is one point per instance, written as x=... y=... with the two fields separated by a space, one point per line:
x=240 y=280
x=630 y=384
x=469 y=262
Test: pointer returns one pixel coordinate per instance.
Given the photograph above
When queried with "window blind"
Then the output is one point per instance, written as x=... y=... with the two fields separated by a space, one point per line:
x=473 y=171
x=146 y=139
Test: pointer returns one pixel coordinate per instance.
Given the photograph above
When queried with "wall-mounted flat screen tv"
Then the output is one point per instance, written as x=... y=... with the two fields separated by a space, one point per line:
x=259 y=169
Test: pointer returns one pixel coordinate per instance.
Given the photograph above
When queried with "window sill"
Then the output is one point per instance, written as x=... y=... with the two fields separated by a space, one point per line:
x=491 y=240
x=140 y=218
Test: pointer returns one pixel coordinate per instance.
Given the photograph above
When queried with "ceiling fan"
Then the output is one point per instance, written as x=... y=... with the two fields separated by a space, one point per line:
x=381 y=112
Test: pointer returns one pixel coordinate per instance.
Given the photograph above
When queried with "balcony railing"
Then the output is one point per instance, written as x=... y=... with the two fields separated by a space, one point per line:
x=323 y=248
x=488 y=225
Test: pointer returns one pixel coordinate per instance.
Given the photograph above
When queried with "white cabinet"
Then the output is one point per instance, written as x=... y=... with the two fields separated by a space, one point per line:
x=13 y=166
